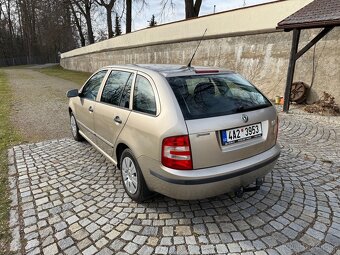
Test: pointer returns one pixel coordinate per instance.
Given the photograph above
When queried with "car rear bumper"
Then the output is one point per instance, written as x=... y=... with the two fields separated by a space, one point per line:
x=213 y=181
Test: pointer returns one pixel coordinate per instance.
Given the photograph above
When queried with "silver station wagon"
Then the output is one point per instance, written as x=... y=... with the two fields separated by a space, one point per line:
x=185 y=132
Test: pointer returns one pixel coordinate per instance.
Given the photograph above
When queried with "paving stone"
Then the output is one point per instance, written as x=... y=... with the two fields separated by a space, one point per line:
x=208 y=249
x=181 y=249
x=183 y=230
x=168 y=231
x=128 y=235
x=150 y=231
x=117 y=245
x=51 y=250
x=152 y=241
x=31 y=244
x=283 y=249
x=102 y=242
x=65 y=243
x=91 y=250
x=72 y=250
x=190 y=240
x=166 y=241
x=113 y=234
x=72 y=219
x=234 y=247
x=221 y=248
x=131 y=248
x=161 y=250
x=105 y=251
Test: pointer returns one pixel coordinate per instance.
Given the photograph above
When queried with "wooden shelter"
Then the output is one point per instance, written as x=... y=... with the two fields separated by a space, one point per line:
x=318 y=14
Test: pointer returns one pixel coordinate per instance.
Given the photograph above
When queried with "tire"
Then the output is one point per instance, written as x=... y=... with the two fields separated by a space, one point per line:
x=74 y=129
x=132 y=177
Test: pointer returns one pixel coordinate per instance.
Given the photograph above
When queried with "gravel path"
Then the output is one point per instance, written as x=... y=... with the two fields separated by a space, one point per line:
x=40 y=105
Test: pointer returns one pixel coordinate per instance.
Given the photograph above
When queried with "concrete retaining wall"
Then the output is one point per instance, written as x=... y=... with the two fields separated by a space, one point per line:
x=256 y=49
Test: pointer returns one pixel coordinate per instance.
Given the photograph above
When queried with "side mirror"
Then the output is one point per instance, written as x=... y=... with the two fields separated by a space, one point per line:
x=72 y=93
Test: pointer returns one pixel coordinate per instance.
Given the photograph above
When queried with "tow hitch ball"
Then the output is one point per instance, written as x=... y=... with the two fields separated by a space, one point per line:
x=239 y=192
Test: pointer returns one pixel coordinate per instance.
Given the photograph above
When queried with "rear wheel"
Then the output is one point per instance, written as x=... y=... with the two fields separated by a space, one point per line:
x=133 y=180
x=74 y=129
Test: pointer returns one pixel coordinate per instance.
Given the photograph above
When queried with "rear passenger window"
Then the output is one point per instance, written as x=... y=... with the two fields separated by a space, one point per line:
x=144 y=97
x=114 y=87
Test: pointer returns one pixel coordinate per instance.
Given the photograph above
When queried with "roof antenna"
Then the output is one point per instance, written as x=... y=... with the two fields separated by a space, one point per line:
x=189 y=65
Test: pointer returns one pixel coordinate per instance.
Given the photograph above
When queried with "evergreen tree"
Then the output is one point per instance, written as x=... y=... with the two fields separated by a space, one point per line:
x=152 y=22
x=118 y=30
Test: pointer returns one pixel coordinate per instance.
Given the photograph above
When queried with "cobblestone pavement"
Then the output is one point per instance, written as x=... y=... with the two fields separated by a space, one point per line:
x=67 y=199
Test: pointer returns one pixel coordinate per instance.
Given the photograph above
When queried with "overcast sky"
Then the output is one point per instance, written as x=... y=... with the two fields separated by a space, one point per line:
x=141 y=17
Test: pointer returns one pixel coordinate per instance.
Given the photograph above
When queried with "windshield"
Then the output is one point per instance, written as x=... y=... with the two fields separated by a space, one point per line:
x=202 y=96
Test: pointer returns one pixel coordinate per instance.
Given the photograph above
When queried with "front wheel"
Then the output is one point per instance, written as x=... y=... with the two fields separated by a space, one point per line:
x=74 y=129
x=133 y=180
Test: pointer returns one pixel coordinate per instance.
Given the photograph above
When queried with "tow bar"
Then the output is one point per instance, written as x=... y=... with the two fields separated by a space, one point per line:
x=239 y=192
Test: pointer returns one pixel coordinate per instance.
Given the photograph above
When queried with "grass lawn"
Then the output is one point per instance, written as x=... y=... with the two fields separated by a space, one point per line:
x=58 y=71
x=8 y=137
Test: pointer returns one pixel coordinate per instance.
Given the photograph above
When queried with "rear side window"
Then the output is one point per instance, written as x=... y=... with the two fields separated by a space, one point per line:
x=202 y=96
x=91 y=88
x=144 y=97
x=114 y=87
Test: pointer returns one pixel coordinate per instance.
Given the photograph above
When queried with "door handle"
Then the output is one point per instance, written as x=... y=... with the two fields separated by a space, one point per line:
x=90 y=109
x=117 y=120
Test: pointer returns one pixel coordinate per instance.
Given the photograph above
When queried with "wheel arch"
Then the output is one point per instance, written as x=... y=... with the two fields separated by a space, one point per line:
x=119 y=151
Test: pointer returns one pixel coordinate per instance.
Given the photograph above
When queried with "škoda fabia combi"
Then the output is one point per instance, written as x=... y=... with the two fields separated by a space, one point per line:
x=185 y=132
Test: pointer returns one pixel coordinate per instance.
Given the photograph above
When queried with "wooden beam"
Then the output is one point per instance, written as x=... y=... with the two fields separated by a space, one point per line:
x=291 y=68
x=317 y=38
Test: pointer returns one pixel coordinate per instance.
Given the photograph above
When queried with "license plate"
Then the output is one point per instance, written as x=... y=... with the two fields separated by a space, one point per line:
x=240 y=134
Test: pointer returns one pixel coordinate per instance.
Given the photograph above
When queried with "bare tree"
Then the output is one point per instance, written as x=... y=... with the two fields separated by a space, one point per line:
x=85 y=7
x=108 y=5
x=77 y=21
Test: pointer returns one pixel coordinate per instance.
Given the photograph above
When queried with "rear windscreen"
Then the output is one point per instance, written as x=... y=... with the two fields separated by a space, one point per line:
x=202 y=96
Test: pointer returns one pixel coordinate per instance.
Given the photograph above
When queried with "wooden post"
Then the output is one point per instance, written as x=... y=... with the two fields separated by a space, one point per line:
x=291 y=68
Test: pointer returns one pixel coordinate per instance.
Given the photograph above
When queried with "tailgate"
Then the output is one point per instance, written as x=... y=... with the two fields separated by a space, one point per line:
x=229 y=138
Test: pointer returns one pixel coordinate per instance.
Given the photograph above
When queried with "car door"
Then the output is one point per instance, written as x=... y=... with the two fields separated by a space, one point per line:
x=113 y=109
x=86 y=103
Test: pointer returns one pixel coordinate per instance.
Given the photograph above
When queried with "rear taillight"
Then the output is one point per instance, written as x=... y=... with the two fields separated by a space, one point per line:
x=176 y=152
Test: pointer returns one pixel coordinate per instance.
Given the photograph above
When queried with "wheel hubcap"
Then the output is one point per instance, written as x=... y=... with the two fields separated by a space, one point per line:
x=73 y=126
x=129 y=175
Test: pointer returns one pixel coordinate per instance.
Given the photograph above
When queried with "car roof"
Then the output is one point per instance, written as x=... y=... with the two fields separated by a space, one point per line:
x=168 y=70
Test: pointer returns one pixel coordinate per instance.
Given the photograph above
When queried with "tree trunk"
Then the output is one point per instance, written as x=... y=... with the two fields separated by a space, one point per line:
x=89 y=24
x=189 y=7
x=109 y=21
x=197 y=7
x=192 y=10
x=128 y=16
